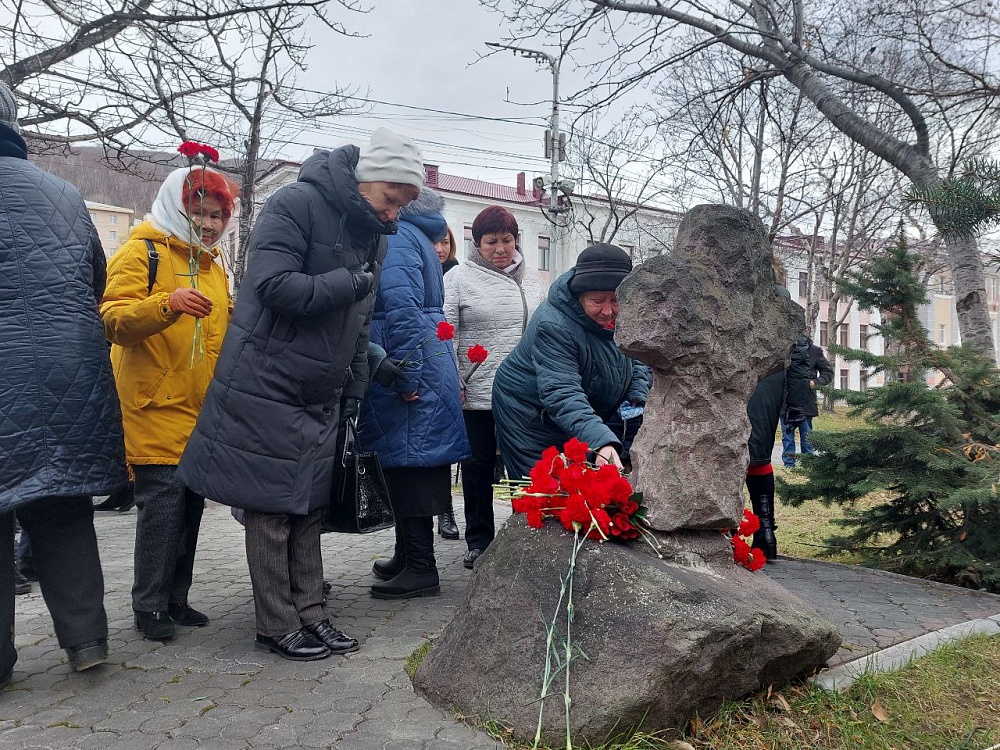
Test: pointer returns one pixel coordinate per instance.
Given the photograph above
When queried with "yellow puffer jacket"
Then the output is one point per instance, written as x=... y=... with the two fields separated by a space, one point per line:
x=161 y=392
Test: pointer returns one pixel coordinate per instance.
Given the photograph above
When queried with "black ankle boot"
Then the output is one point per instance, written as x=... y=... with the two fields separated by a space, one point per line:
x=764 y=539
x=387 y=569
x=447 y=527
x=419 y=576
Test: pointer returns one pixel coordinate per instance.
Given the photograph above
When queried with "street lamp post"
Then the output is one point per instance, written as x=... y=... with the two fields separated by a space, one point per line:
x=552 y=145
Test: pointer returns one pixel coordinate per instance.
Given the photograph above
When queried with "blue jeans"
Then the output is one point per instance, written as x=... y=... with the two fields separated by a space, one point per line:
x=788 y=442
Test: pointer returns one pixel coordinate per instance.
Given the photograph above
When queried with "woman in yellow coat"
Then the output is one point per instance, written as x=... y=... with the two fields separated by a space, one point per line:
x=166 y=329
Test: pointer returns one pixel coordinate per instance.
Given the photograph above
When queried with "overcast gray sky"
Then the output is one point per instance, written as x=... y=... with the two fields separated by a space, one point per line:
x=425 y=54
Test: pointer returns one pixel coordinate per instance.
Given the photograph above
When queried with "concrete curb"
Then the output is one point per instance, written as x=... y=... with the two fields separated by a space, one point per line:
x=896 y=657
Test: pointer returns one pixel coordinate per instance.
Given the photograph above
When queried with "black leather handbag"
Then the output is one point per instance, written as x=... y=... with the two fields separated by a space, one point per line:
x=359 y=497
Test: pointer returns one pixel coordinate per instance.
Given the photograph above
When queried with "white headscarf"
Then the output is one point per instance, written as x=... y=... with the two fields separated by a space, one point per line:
x=168 y=211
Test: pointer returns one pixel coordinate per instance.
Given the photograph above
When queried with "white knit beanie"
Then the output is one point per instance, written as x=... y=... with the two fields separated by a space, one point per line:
x=390 y=157
x=8 y=108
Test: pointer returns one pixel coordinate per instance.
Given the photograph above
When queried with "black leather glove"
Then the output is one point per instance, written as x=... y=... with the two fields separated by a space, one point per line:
x=388 y=373
x=349 y=408
x=363 y=282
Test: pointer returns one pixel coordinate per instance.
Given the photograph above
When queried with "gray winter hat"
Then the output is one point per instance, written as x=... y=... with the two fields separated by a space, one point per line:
x=8 y=108
x=390 y=157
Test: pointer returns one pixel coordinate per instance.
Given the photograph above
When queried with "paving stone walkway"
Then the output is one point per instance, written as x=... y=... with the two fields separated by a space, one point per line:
x=209 y=690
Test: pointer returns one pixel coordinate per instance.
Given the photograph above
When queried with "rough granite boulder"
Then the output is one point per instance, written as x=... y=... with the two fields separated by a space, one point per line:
x=710 y=321
x=663 y=638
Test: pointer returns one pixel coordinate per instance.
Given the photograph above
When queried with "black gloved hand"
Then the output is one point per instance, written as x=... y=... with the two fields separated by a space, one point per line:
x=349 y=408
x=389 y=372
x=363 y=282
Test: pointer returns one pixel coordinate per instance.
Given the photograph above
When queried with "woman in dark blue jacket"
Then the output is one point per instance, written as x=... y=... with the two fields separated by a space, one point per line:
x=566 y=376
x=416 y=426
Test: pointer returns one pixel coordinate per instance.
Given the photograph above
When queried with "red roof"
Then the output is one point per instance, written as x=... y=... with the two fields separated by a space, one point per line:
x=467 y=186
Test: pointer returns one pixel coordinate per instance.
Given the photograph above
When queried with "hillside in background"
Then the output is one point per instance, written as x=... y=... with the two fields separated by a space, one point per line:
x=130 y=182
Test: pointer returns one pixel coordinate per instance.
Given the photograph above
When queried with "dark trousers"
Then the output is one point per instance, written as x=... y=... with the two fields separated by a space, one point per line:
x=286 y=570
x=477 y=478
x=166 y=538
x=68 y=563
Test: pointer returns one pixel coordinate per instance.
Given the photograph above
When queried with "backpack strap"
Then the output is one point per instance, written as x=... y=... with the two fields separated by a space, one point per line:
x=154 y=262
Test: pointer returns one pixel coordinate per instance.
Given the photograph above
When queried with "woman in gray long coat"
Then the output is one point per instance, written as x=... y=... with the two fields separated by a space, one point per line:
x=60 y=425
x=294 y=360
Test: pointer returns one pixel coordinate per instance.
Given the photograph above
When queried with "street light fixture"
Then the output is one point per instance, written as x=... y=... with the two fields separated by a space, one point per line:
x=553 y=145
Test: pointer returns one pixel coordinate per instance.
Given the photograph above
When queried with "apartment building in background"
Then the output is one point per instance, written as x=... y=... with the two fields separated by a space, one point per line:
x=113 y=224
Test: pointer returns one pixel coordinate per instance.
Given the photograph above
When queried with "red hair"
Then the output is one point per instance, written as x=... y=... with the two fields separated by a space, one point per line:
x=494 y=220
x=208 y=183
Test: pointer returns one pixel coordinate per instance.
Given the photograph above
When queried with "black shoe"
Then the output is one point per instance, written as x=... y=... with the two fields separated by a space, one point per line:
x=447 y=527
x=184 y=614
x=88 y=655
x=389 y=569
x=298 y=645
x=333 y=639
x=21 y=584
x=408 y=585
x=155 y=626
x=26 y=568
x=471 y=557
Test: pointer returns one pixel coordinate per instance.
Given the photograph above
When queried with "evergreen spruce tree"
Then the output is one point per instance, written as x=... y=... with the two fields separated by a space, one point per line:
x=967 y=205
x=934 y=451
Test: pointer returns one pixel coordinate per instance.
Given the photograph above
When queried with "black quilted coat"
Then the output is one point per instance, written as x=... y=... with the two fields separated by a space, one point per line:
x=60 y=424
x=266 y=436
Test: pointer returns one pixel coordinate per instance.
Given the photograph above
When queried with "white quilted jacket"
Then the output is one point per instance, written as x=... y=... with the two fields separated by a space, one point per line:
x=490 y=308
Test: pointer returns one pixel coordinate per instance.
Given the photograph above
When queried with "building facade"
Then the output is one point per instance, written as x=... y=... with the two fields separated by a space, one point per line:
x=113 y=224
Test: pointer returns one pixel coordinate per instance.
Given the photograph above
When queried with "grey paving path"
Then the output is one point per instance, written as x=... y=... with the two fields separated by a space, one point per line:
x=208 y=689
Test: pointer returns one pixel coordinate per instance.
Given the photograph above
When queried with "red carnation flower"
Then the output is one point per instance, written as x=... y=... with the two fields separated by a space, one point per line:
x=749 y=525
x=477 y=354
x=445 y=331
x=741 y=551
x=755 y=560
x=576 y=451
x=208 y=152
x=190 y=149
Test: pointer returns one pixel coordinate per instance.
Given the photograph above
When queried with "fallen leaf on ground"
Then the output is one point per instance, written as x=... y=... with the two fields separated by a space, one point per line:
x=779 y=701
x=879 y=712
x=680 y=745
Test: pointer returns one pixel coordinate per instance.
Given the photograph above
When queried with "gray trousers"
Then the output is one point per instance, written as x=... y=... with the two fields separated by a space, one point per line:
x=68 y=564
x=286 y=570
x=166 y=537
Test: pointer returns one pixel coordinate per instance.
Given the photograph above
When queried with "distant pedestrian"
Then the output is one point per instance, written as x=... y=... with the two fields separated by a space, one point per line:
x=416 y=427
x=60 y=425
x=294 y=363
x=808 y=369
x=152 y=309
x=567 y=376
x=446 y=252
x=489 y=299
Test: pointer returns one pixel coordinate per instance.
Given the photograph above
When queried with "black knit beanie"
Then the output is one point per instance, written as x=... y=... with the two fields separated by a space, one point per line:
x=600 y=268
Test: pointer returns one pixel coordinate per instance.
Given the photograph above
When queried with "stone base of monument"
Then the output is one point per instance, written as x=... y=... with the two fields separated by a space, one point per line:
x=664 y=639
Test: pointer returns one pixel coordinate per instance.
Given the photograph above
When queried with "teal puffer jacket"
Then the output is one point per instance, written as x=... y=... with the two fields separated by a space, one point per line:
x=564 y=378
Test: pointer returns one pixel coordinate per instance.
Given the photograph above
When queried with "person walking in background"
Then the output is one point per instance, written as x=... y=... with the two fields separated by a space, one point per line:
x=60 y=424
x=150 y=309
x=567 y=376
x=294 y=363
x=808 y=369
x=489 y=299
x=416 y=427
x=446 y=252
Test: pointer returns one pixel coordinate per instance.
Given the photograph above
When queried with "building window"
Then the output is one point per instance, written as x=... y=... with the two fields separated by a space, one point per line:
x=845 y=335
x=864 y=336
x=942 y=332
x=468 y=239
x=113 y=218
x=824 y=334
x=112 y=235
x=993 y=289
x=845 y=379
x=543 y=254
x=803 y=284
x=864 y=380
x=93 y=216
